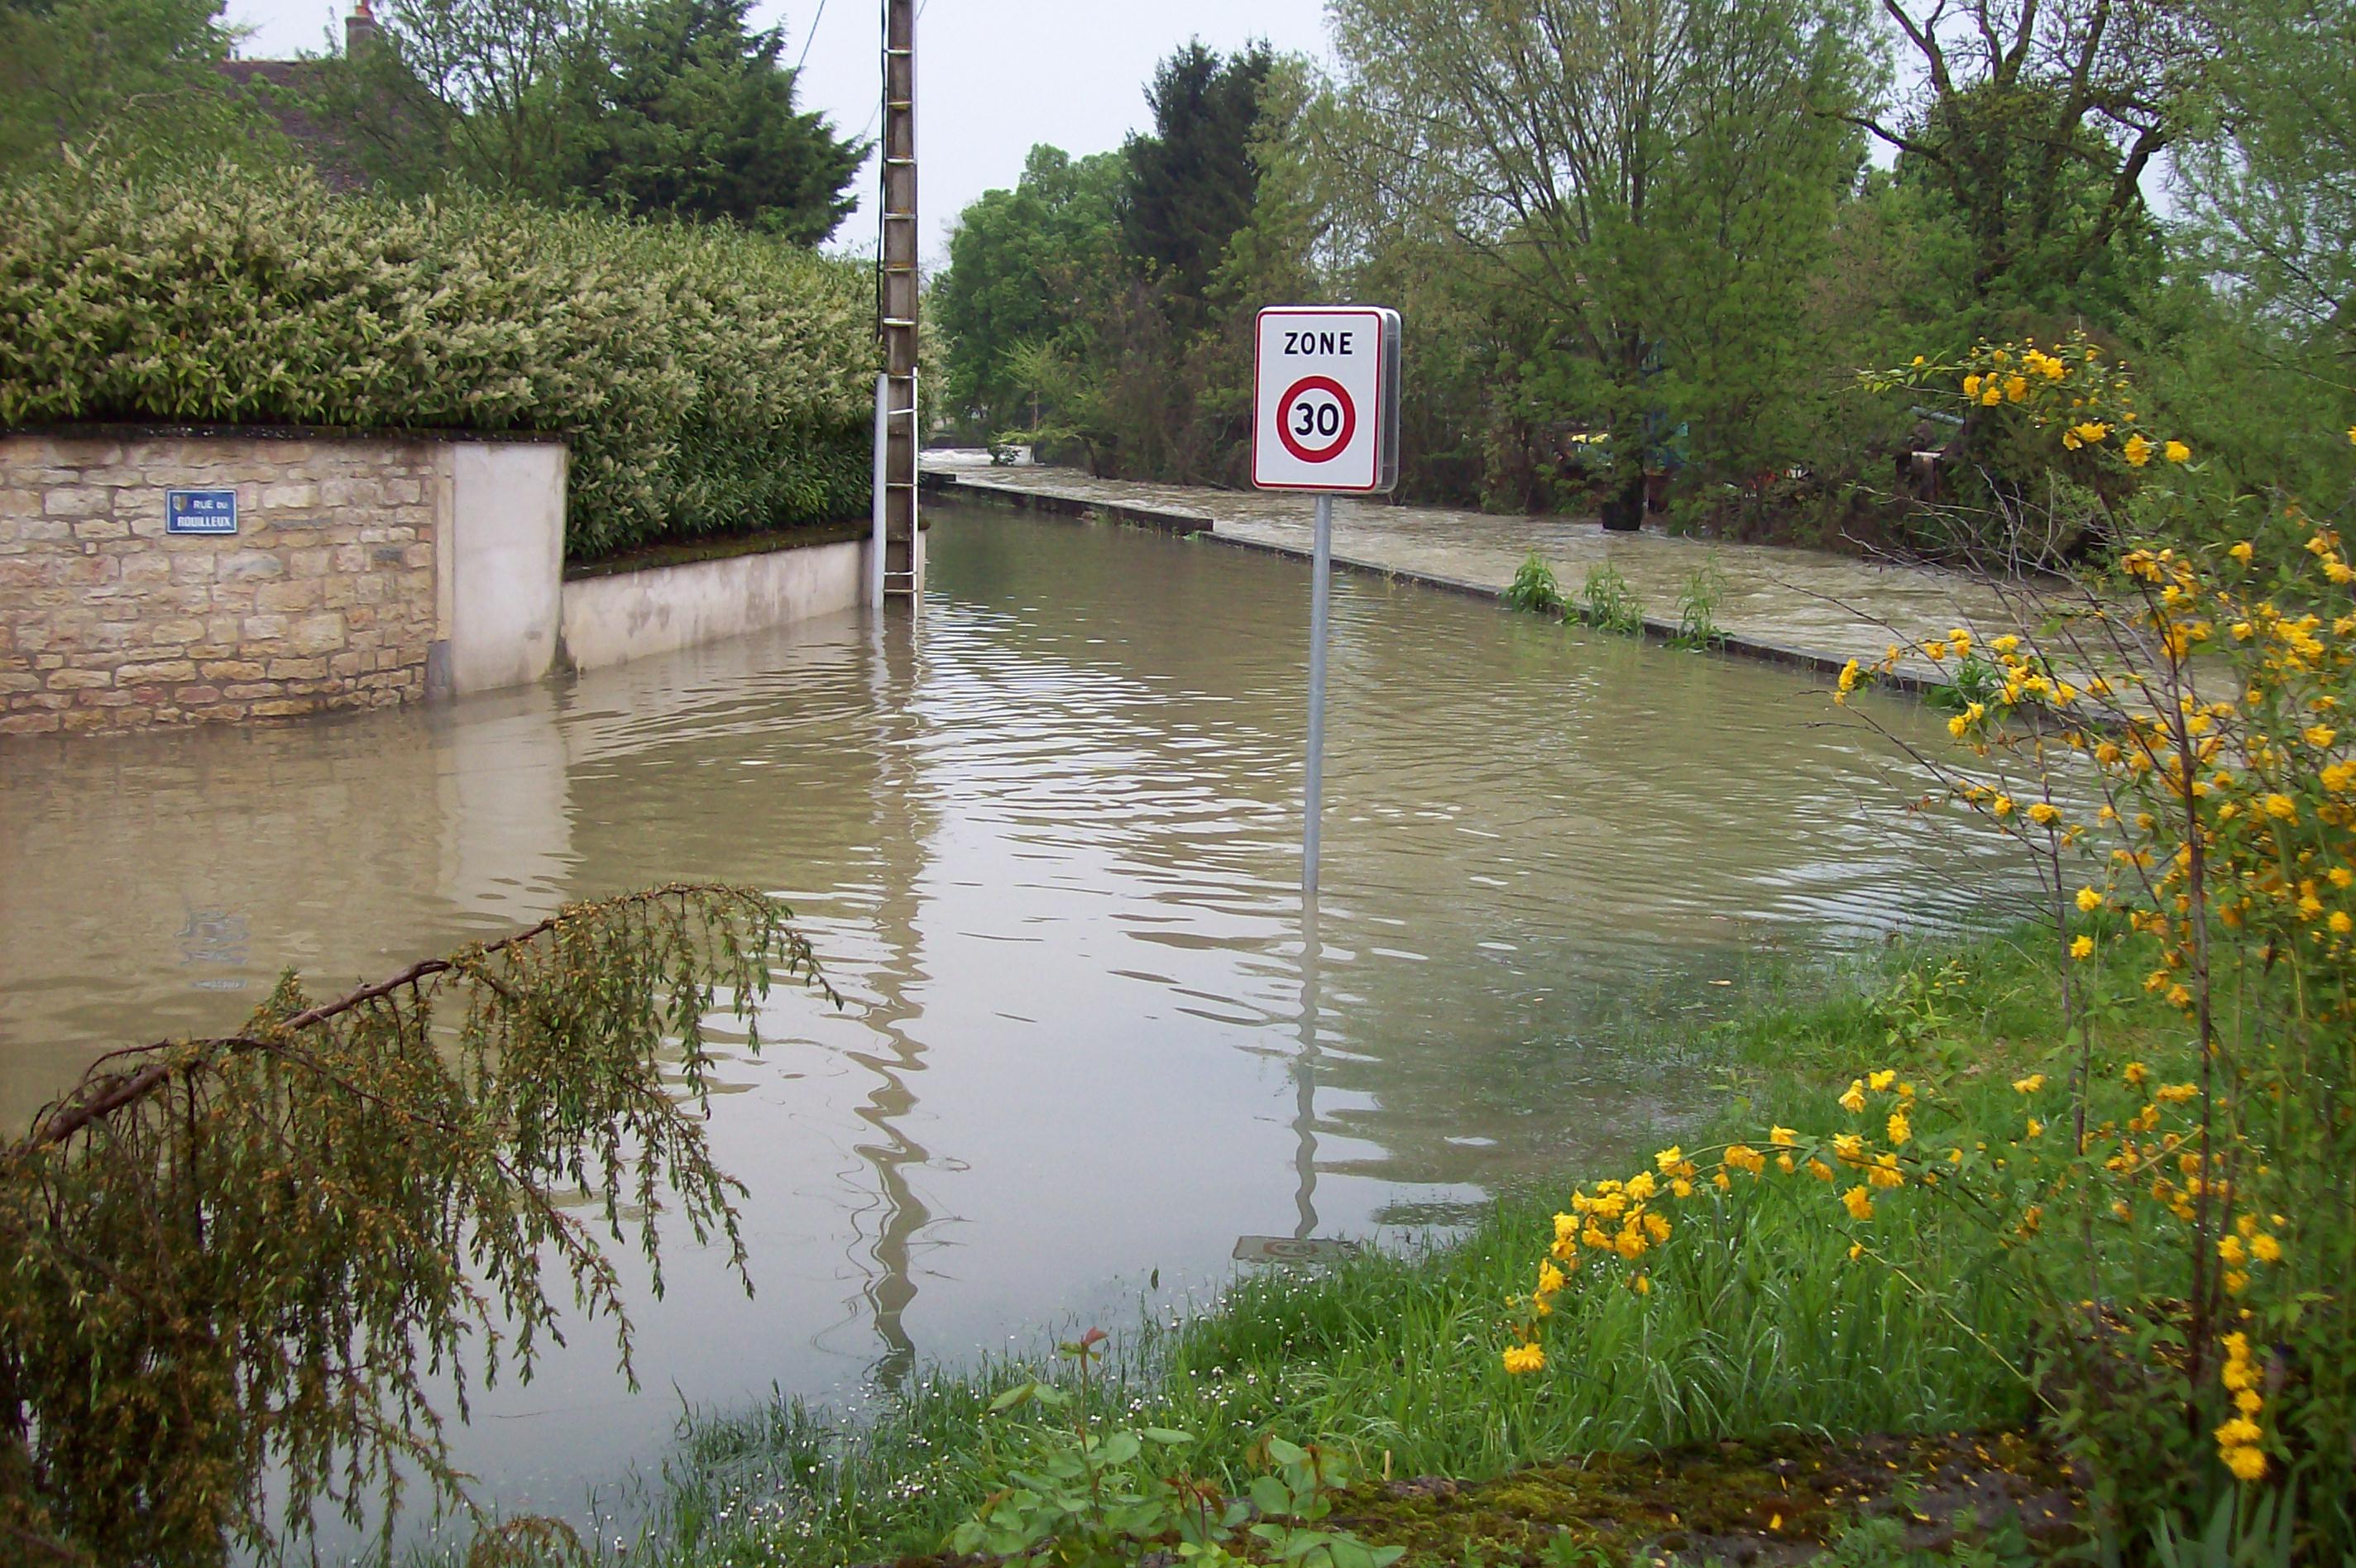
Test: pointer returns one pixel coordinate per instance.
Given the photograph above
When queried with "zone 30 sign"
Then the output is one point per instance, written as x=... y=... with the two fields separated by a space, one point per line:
x=1326 y=399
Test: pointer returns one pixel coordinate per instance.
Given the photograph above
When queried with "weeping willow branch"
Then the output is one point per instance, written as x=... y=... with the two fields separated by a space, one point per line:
x=232 y=1263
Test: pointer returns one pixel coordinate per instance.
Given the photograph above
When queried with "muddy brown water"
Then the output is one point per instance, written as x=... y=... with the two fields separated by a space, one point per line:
x=1045 y=838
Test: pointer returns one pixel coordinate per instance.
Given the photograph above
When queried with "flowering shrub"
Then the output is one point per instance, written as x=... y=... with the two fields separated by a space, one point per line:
x=706 y=379
x=2172 y=747
x=2051 y=443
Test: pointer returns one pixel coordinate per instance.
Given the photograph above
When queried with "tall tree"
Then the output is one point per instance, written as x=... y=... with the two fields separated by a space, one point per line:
x=1027 y=270
x=1645 y=183
x=116 y=79
x=669 y=107
x=472 y=89
x=1191 y=183
x=695 y=116
x=2036 y=122
x=2270 y=184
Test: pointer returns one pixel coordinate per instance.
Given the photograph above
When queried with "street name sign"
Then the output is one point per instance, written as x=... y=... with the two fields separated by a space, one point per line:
x=201 y=511
x=1325 y=400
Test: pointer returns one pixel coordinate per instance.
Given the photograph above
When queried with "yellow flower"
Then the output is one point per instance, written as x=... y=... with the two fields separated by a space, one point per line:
x=2321 y=736
x=2230 y=1249
x=2036 y=1128
x=2282 y=806
x=1520 y=1359
x=1853 y=1100
x=1849 y=677
x=2135 y=1072
x=2177 y=451
x=1900 y=1129
x=2137 y=450
x=1550 y=1279
x=2265 y=1248
x=2043 y=814
x=1971 y=386
x=2089 y=901
x=2242 y=552
x=1670 y=1158
x=1850 y=1146
x=1641 y=1284
x=2247 y=1464
x=1783 y=1137
x=2083 y=948
x=1858 y=1202
x=1882 y=1079
x=2238 y=1433
x=2029 y=1085
x=2016 y=388
x=2001 y=805
x=1819 y=1169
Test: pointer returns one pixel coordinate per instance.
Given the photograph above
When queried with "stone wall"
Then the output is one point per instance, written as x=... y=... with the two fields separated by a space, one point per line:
x=364 y=571
x=324 y=598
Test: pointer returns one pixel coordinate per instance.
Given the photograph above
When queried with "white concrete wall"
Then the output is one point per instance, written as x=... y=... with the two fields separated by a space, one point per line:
x=627 y=615
x=500 y=571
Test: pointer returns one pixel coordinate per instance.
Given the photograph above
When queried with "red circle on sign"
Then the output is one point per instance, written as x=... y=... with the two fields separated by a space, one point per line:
x=1292 y=442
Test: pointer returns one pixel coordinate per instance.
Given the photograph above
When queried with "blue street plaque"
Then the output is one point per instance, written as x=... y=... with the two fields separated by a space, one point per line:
x=201 y=511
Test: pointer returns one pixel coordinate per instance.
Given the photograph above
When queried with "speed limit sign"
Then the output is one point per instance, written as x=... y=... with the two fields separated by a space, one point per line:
x=1325 y=419
x=1325 y=400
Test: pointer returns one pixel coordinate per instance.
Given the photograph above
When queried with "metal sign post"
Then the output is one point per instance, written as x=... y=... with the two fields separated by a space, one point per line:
x=1325 y=404
x=1321 y=594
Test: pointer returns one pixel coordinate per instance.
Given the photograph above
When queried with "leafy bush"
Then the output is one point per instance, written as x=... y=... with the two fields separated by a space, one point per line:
x=1534 y=587
x=708 y=380
x=1697 y=604
x=1612 y=603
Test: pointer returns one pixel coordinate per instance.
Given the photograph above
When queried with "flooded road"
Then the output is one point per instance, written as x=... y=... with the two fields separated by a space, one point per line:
x=1046 y=841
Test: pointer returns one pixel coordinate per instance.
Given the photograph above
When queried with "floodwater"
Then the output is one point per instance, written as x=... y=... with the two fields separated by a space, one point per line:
x=1046 y=838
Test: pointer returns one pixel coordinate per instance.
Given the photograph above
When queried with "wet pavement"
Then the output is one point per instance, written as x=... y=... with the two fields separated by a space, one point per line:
x=1797 y=606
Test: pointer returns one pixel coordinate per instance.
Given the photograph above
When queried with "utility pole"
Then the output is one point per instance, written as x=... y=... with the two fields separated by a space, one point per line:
x=903 y=554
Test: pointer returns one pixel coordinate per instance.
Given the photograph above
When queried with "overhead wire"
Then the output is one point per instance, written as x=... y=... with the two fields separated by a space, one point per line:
x=811 y=37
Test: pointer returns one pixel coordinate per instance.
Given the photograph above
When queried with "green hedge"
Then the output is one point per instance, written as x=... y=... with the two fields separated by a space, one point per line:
x=709 y=381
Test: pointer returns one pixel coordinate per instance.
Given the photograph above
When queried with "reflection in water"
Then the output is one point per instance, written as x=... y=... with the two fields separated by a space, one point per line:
x=891 y=1280
x=1304 y=1070
x=1046 y=841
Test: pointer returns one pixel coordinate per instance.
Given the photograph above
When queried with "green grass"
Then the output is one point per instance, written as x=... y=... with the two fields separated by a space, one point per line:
x=1759 y=1323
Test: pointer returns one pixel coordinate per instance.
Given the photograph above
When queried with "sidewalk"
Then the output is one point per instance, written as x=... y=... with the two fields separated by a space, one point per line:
x=1794 y=606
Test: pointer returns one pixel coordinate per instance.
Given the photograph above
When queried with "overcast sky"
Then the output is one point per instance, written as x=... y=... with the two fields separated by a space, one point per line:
x=994 y=77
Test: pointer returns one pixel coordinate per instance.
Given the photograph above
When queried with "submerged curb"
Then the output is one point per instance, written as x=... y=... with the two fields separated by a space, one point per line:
x=1202 y=525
